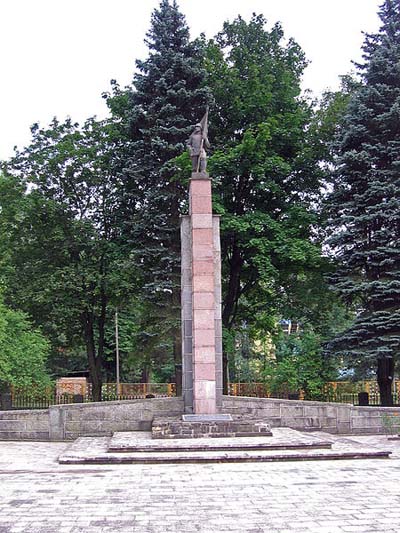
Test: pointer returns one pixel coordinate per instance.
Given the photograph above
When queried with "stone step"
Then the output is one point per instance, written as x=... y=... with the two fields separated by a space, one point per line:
x=125 y=442
x=209 y=448
x=290 y=445
x=217 y=456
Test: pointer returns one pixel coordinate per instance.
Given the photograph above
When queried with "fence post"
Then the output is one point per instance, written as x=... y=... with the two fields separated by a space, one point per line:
x=363 y=398
x=6 y=401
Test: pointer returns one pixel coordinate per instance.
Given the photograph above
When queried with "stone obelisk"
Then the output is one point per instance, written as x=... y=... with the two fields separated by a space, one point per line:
x=201 y=299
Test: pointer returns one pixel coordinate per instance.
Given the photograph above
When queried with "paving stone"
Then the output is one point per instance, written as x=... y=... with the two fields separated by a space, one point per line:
x=245 y=497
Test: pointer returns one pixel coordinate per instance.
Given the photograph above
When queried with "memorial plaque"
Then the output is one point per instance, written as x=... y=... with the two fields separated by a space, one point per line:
x=207 y=418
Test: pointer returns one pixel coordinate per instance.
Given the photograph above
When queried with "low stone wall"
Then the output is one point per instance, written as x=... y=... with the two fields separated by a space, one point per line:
x=24 y=425
x=72 y=421
x=305 y=415
x=62 y=422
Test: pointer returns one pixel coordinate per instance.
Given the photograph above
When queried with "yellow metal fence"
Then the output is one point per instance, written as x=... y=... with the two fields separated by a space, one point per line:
x=334 y=391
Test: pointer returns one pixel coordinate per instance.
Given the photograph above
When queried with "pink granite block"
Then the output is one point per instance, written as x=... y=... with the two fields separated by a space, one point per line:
x=201 y=221
x=204 y=407
x=203 y=338
x=200 y=187
x=203 y=236
x=204 y=354
x=202 y=252
x=203 y=389
x=204 y=371
x=203 y=319
x=203 y=284
x=203 y=268
x=203 y=300
x=200 y=204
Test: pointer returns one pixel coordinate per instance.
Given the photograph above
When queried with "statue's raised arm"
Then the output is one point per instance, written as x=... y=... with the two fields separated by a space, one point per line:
x=197 y=143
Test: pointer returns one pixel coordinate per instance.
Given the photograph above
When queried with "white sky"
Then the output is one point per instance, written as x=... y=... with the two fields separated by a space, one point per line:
x=57 y=56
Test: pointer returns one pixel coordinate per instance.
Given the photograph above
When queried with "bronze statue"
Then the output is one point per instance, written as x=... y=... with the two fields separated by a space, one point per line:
x=197 y=143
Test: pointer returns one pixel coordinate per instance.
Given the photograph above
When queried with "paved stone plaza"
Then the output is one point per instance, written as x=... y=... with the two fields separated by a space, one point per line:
x=39 y=495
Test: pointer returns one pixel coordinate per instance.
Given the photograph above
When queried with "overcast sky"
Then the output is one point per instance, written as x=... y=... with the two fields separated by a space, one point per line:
x=57 y=56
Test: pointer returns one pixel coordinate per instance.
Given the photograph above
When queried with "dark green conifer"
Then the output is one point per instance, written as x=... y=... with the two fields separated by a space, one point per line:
x=365 y=206
x=168 y=98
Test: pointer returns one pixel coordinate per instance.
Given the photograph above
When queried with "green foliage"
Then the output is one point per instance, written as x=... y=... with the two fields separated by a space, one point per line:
x=266 y=171
x=365 y=203
x=167 y=98
x=89 y=217
x=299 y=365
x=64 y=260
x=325 y=124
x=23 y=350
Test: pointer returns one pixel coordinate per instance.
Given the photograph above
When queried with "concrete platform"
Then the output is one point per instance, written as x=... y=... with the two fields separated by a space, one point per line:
x=285 y=445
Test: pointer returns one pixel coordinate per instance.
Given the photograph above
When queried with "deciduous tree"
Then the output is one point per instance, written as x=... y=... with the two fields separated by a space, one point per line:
x=65 y=262
x=265 y=167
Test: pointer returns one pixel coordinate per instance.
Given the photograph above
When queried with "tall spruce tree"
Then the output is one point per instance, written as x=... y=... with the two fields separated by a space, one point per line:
x=365 y=206
x=167 y=99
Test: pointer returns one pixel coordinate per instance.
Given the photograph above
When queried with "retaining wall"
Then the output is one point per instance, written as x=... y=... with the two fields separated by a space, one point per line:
x=305 y=415
x=62 y=422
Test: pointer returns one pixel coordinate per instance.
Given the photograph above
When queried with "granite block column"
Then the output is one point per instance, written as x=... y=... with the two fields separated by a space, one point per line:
x=201 y=301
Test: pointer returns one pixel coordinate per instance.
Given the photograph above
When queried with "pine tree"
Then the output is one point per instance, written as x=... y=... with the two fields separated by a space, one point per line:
x=365 y=206
x=168 y=98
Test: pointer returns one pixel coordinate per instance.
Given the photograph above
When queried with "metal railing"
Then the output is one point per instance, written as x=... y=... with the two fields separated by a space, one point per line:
x=29 y=398
x=335 y=391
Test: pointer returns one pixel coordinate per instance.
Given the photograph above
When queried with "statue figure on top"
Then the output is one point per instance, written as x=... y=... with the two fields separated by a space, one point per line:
x=197 y=143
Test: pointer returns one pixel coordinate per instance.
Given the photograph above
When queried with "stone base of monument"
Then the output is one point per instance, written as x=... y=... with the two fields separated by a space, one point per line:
x=137 y=447
x=217 y=425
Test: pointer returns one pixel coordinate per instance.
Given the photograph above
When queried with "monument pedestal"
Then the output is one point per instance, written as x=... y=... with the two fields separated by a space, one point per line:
x=202 y=329
x=201 y=302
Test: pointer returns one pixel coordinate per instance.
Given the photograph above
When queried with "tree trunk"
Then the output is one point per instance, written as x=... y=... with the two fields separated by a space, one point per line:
x=93 y=361
x=385 y=380
x=145 y=376
x=230 y=304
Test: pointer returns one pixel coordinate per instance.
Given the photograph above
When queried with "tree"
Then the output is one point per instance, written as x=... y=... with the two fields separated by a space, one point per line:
x=65 y=263
x=23 y=350
x=299 y=365
x=266 y=170
x=168 y=97
x=365 y=206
